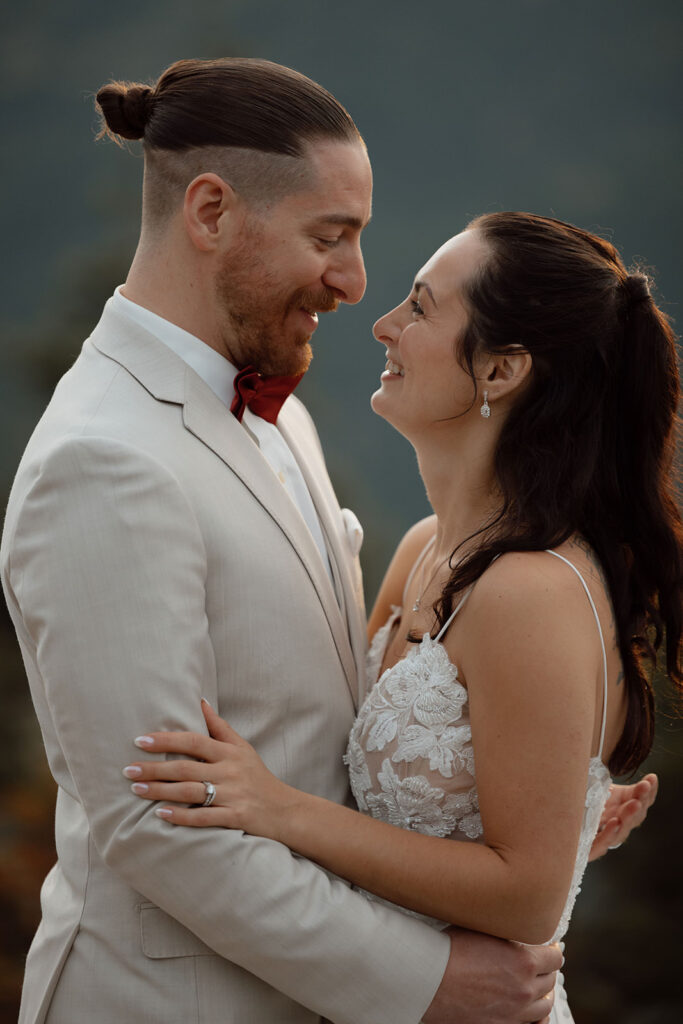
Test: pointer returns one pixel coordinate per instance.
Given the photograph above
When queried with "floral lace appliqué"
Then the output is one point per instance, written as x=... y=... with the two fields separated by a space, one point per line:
x=597 y=791
x=413 y=718
x=413 y=803
x=411 y=760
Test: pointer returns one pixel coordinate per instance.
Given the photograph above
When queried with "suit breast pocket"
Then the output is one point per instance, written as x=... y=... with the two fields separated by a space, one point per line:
x=163 y=937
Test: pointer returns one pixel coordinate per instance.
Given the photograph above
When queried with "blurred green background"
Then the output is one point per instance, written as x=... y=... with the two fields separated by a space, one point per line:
x=569 y=110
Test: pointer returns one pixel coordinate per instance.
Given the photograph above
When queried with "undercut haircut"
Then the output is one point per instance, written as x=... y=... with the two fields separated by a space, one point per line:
x=249 y=121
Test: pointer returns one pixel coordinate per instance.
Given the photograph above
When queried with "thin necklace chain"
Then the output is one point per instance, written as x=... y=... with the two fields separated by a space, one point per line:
x=425 y=588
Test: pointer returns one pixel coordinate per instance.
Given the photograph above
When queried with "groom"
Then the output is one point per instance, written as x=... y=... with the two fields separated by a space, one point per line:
x=172 y=534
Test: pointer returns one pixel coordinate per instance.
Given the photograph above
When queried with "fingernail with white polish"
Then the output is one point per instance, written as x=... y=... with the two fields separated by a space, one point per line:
x=163 y=812
x=205 y=701
x=139 y=788
x=143 y=741
x=131 y=771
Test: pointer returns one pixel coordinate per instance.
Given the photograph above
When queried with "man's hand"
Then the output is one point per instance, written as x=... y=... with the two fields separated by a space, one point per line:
x=626 y=809
x=491 y=981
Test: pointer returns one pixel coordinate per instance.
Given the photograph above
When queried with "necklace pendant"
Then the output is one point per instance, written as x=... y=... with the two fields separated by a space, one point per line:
x=416 y=606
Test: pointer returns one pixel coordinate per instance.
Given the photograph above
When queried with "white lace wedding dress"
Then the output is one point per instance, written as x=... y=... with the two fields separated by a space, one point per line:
x=411 y=759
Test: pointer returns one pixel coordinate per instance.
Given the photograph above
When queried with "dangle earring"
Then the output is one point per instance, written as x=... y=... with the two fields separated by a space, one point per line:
x=485 y=407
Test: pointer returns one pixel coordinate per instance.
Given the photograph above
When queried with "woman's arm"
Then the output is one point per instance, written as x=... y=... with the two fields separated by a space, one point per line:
x=529 y=651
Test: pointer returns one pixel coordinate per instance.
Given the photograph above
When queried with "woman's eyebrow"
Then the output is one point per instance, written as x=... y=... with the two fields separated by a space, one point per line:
x=423 y=284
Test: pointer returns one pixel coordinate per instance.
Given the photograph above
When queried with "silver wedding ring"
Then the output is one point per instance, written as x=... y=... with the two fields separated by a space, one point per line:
x=210 y=793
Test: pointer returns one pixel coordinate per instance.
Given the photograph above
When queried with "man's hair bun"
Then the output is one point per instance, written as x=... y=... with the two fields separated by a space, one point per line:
x=637 y=287
x=125 y=108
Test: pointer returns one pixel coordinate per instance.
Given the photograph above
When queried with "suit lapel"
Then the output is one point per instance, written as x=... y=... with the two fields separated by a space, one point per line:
x=334 y=531
x=169 y=379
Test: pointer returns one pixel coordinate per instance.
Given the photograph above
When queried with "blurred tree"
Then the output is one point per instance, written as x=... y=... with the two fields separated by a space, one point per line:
x=624 y=944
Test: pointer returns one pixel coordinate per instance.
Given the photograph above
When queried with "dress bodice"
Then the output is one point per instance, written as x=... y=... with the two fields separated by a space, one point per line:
x=410 y=754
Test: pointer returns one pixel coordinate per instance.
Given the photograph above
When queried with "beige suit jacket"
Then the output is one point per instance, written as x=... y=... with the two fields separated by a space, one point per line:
x=150 y=557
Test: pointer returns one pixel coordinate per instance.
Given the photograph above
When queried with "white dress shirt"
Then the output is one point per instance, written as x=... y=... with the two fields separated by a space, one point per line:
x=219 y=374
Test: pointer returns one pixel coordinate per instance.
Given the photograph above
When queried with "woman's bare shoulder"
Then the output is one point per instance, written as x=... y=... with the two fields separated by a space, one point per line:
x=529 y=589
x=528 y=611
x=527 y=573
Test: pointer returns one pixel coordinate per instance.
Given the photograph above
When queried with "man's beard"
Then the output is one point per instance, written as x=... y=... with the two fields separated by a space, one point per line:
x=257 y=315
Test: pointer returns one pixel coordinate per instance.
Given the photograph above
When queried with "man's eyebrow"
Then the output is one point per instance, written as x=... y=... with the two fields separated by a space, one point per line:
x=345 y=220
x=423 y=284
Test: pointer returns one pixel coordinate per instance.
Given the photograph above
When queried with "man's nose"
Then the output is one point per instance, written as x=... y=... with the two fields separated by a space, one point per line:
x=347 y=278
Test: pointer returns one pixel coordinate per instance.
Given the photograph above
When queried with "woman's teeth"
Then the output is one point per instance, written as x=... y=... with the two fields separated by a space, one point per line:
x=394 y=368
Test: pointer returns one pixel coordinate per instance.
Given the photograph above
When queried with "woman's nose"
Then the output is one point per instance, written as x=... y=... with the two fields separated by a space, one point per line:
x=386 y=329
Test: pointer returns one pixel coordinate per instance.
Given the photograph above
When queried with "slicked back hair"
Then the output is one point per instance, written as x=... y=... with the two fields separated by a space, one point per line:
x=249 y=121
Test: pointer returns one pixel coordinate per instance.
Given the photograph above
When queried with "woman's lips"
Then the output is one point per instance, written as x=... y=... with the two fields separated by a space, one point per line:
x=392 y=369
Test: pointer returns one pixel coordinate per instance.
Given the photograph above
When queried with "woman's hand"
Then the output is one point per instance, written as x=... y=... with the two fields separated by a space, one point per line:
x=626 y=809
x=248 y=796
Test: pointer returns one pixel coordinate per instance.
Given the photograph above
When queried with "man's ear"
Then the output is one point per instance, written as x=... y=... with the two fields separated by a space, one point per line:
x=210 y=210
x=506 y=372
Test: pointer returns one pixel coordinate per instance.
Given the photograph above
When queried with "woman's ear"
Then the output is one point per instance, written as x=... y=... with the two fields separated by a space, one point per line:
x=507 y=371
x=209 y=211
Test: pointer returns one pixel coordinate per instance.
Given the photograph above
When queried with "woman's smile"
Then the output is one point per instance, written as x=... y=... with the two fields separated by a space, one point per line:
x=392 y=369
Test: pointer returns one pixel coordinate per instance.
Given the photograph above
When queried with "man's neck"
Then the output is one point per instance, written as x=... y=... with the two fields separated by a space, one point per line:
x=173 y=289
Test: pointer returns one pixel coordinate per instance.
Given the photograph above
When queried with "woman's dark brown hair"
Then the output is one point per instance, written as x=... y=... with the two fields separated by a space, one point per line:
x=240 y=102
x=589 y=447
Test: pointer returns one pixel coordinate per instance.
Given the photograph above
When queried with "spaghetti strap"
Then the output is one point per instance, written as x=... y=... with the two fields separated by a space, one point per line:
x=602 y=645
x=454 y=612
x=416 y=565
x=461 y=603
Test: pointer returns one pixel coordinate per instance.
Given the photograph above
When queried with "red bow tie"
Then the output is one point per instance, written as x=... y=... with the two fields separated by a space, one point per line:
x=263 y=395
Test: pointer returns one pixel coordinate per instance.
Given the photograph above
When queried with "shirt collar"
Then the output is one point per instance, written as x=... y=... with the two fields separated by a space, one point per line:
x=213 y=368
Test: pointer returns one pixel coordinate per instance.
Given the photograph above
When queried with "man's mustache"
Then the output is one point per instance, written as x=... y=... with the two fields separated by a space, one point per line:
x=318 y=302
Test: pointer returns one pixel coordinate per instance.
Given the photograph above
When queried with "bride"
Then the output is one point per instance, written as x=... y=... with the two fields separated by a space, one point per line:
x=537 y=381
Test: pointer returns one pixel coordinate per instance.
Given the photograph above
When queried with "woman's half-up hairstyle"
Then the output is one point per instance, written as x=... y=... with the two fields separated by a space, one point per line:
x=589 y=447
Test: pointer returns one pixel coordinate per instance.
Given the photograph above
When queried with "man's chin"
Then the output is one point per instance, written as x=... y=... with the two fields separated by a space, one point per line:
x=302 y=364
x=296 y=362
